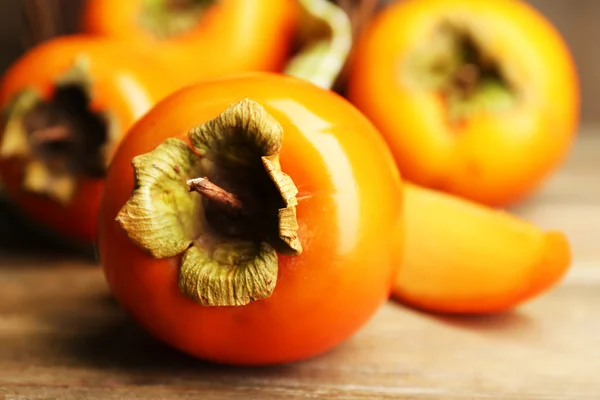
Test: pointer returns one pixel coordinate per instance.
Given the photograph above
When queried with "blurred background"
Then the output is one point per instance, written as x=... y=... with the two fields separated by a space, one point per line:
x=576 y=20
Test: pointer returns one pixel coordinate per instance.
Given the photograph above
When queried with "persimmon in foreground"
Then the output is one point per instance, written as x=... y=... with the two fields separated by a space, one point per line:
x=66 y=103
x=477 y=98
x=462 y=257
x=252 y=220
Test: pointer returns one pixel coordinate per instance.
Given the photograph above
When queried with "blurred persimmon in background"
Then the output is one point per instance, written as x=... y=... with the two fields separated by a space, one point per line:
x=67 y=102
x=477 y=98
x=204 y=38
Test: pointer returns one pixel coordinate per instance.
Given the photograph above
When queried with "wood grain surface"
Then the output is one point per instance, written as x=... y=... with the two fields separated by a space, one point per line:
x=62 y=336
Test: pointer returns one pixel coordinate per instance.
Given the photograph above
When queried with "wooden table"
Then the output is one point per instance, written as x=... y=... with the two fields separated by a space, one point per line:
x=61 y=335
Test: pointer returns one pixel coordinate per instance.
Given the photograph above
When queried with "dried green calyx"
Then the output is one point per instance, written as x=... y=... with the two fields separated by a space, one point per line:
x=224 y=205
x=455 y=61
x=168 y=18
x=59 y=139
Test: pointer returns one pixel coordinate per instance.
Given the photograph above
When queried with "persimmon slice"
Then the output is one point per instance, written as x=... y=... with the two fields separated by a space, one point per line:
x=462 y=257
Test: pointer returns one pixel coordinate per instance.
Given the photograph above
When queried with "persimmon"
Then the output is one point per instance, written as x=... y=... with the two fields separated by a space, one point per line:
x=205 y=38
x=252 y=220
x=309 y=39
x=67 y=102
x=476 y=98
x=463 y=257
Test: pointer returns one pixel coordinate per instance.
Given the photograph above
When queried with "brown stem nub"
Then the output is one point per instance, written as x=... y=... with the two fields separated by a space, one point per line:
x=56 y=133
x=217 y=195
x=466 y=78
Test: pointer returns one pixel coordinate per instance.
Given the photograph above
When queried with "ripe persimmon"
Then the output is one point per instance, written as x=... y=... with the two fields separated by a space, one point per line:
x=309 y=39
x=67 y=102
x=204 y=38
x=292 y=241
x=474 y=97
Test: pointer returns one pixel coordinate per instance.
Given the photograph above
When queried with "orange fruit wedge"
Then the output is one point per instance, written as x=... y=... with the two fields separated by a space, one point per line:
x=463 y=257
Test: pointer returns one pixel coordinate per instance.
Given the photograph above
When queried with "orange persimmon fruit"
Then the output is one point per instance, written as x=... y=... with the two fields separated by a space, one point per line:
x=203 y=38
x=292 y=241
x=463 y=257
x=67 y=102
x=477 y=98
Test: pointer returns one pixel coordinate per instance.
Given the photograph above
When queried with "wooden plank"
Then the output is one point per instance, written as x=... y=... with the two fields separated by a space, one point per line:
x=62 y=335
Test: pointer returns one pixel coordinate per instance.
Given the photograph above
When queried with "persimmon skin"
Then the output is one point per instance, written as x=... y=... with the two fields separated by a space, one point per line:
x=464 y=258
x=125 y=85
x=350 y=226
x=496 y=158
x=231 y=36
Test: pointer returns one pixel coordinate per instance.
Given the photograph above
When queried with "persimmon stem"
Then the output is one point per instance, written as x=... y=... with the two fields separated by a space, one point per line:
x=216 y=194
x=57 y=133
x=467 y=77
